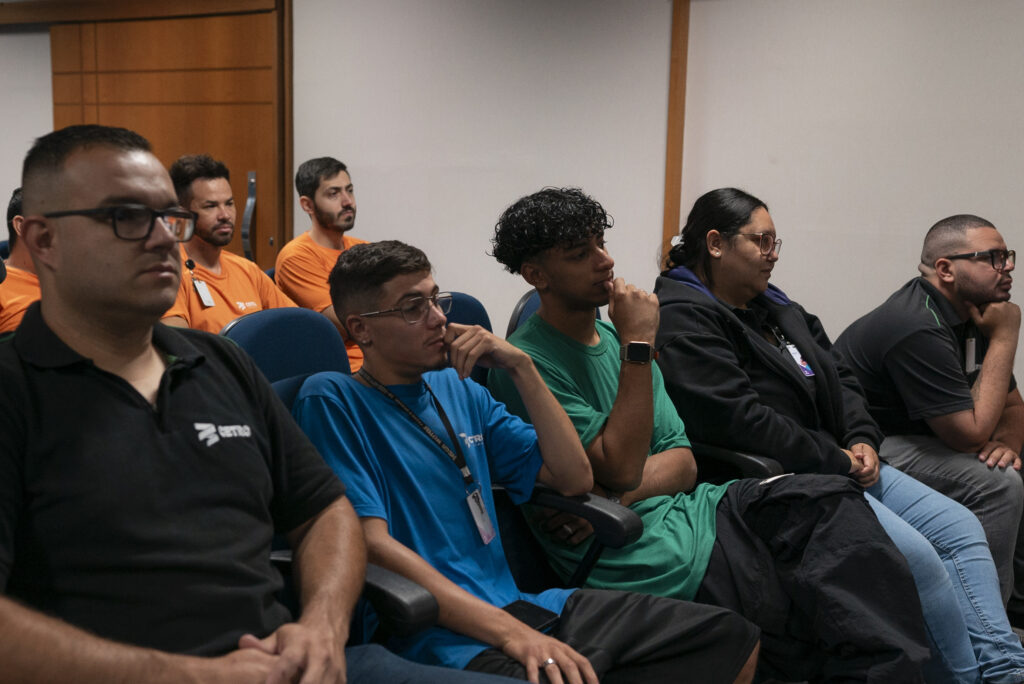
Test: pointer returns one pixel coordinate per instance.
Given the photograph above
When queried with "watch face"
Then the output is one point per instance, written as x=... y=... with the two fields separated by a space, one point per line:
x=637 y=352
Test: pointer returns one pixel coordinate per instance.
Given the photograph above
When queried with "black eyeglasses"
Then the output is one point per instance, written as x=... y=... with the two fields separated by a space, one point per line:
x=415 y=309
x=767 y=243
x=136 y=221
x=1001 y=259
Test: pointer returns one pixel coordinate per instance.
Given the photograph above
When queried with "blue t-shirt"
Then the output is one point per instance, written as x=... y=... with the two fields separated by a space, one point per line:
x=396 y=472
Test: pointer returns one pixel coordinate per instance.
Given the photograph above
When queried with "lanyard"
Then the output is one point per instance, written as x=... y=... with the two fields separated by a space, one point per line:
x=457 y=458
x=780 y=338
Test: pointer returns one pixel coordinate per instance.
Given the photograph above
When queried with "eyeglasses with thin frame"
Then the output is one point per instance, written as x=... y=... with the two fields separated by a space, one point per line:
x=415 y=309
x=767 y=243
x=1001 y=259
x=136 y=221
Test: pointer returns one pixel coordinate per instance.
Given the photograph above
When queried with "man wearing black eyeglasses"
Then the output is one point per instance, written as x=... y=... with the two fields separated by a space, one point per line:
x=144 y=469
x=936 y=363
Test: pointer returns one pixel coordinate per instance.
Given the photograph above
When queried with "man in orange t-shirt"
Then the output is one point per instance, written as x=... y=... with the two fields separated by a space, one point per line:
x=217 y=286
x=21 y=287
x=303 y=265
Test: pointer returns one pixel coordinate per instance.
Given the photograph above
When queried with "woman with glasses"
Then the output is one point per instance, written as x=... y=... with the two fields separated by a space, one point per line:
x=751 y=370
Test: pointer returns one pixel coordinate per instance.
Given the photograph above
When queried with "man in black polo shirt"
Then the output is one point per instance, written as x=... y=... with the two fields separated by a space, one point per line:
x=144 y=470
x=951 y=421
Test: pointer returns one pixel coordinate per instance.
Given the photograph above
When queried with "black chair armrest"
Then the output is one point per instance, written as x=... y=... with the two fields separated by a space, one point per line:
x=614 y=525
x=403 y=607
x=746 y=465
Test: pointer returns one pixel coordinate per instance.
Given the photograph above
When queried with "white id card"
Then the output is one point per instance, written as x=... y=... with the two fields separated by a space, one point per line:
x=203 y=291
x=805 y=367
x=480 y=517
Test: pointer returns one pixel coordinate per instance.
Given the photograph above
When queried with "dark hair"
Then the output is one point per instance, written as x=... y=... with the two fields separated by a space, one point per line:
x=725 y=210
x=947 y=236
x=310 y=173
x=191 y=167
x=13 y=209
x=49 y=153
x=362 y=270
x=549 y=218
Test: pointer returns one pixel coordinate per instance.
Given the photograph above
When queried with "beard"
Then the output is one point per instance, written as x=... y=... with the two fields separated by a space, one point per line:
x=210 y=237
x=981 y=293
x=332 y=221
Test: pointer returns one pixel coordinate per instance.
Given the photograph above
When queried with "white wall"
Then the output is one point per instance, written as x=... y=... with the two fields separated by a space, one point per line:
x=27 y=96
x=860 y=124
x=448 y=111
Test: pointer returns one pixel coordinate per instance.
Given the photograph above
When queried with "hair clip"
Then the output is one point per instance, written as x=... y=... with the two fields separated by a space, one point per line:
x=676 y=240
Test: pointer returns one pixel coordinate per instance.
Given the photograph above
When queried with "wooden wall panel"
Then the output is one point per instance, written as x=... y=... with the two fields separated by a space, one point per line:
x=50 y=11
x=207 y=87
x=67 y=88
x=234 y=133
x=67 y=115
x=66 y=48
x=190 y=85
x=672 y=213
x=229 y=42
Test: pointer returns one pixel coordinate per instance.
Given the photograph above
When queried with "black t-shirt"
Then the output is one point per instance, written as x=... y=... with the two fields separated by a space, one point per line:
x=149 y=525
x=910 y=356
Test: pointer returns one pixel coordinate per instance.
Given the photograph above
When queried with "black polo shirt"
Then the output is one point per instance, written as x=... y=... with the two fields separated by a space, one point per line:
x=910 y=355
x=149 y=526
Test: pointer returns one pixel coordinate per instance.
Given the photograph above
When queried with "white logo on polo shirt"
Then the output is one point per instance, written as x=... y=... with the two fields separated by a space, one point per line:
x=211 y=433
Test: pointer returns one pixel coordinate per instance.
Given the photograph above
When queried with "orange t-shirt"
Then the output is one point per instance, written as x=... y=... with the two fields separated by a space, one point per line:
x=20 y=289
x=240 y=288
x=302 y=270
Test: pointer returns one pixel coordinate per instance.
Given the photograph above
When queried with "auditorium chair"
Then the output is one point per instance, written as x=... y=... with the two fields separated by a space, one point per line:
x=402 y=607
x=467 y=310
x=289 y=341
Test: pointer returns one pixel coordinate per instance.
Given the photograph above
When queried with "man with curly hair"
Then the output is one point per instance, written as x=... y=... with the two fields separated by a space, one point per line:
x=789 y=553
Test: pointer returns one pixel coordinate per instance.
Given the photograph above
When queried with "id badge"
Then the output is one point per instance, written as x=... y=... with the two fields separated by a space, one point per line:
x=805 y=367
x=203 y=291
x=480 y=517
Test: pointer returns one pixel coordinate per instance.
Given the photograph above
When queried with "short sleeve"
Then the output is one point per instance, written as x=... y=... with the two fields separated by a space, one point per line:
x=343 y=445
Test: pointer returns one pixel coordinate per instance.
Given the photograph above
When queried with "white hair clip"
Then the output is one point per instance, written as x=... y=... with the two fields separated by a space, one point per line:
x=676 y=240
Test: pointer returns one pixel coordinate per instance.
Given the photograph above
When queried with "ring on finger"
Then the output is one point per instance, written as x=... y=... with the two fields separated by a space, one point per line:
x=548 y=663
x=569 y=531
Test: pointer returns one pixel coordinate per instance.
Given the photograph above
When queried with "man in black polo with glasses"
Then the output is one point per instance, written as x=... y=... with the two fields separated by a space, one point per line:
x=144 y=470
x=936 y=363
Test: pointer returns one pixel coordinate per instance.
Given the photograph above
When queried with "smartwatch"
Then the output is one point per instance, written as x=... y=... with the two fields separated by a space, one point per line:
x=637 y=352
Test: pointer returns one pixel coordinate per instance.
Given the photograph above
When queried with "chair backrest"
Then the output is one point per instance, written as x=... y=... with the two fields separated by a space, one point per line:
x=524 y=308
x=290 y=341
x=467 y=310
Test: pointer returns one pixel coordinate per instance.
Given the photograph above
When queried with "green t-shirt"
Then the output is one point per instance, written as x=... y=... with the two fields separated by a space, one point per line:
x=679 y=531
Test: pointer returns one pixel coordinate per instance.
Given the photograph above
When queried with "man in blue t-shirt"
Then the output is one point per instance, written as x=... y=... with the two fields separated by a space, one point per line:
x=420 y=445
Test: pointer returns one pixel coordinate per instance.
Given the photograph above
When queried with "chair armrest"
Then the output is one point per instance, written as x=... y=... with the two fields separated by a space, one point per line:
x=749 y=465
x=403 y=606
x=614 y=525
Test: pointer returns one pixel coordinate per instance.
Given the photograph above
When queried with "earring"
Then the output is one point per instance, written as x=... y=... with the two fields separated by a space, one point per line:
x=717 y=253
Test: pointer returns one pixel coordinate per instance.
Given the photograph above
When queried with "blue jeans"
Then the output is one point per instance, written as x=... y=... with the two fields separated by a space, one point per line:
x=928 y=527
x=372 y=664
